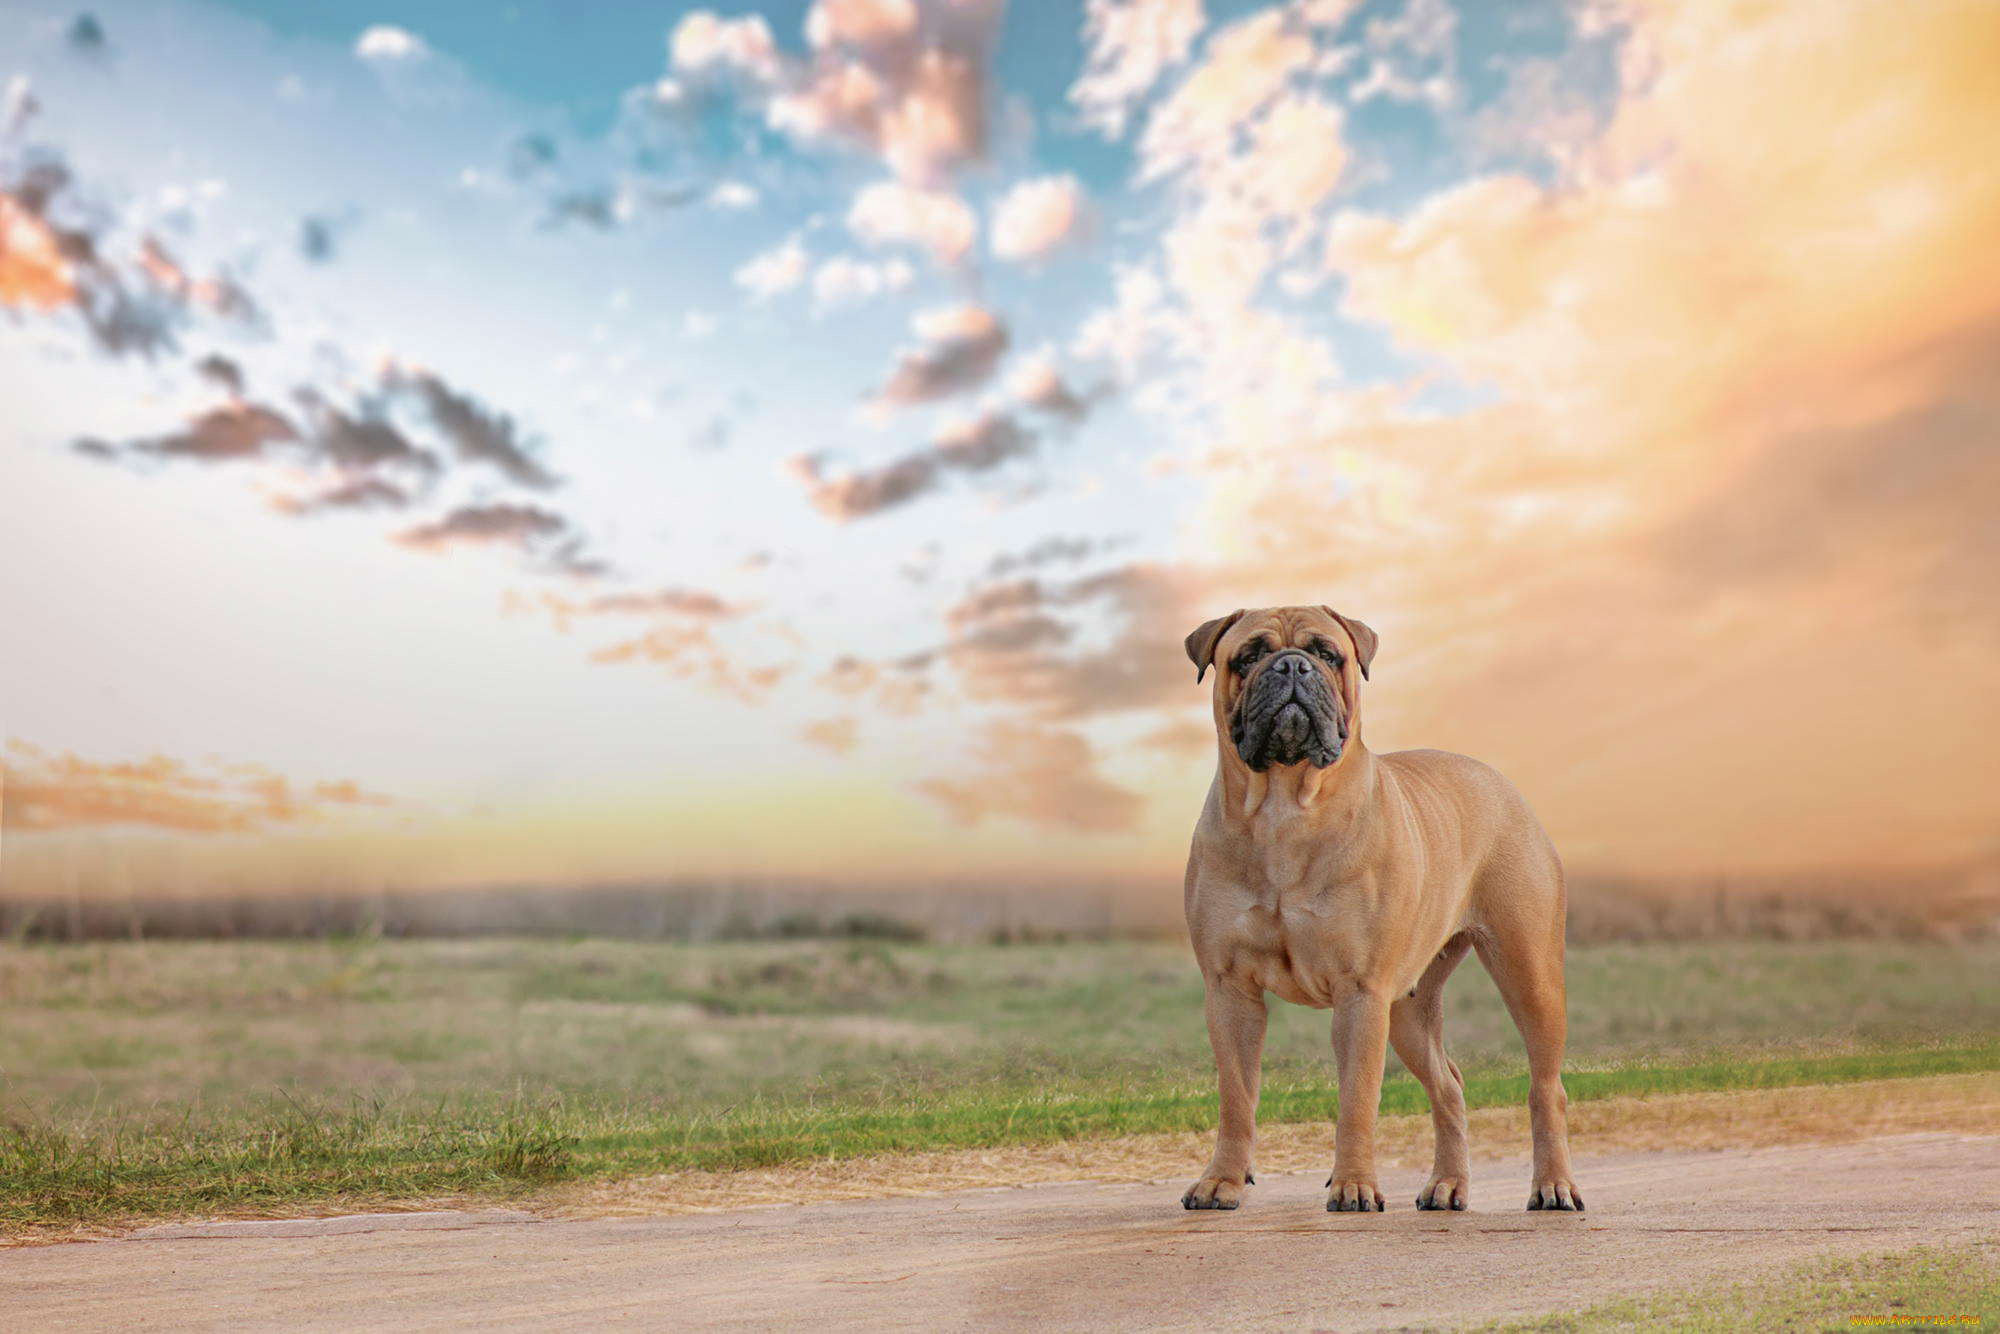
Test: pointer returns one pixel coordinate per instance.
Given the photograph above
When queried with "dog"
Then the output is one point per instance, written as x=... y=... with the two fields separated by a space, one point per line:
x=1336 y=878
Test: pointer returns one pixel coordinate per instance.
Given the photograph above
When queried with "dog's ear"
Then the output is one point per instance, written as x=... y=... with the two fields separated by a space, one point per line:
x=1202 y=641
x=1363 y=637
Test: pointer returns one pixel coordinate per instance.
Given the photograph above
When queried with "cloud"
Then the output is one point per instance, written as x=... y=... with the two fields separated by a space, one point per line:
x=675 y=604
x=837 y=735
x=673 y=601
x=688 y=650
x=1042 y=776
x=526 y=527
x=349 y=452
x=478 y=434
x=1099 y=644
x=593 y=206
x=976 y=444
x=712 y=435
x=1723 y=477
x=889 y=212
x=1036 y=218
x=1048 y=551
x=221 y=372
x=18 y=107
x=85 y=37
x=47 y=265
x=858 y=495
x=231 y=433
x=1037 y=383
x=530 y=155
x=1413 y=56
x=320 y=235
x=706 y=44
x=221 y=294
x=1244 y=69
x=905 y=82
x=35 y=273
x=845 y=281
x=361 y=440
x=52 y=793
x=733 y=195
x=387 y=45
x=981 y=443
x=776 y=271
x=362 y=493
x=961 y=347
x=1131 y=45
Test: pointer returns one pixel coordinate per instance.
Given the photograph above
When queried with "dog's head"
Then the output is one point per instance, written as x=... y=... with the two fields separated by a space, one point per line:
x=1287 y=685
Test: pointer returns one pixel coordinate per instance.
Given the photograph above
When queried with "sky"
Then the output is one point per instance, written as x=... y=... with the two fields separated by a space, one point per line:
x=461 y=444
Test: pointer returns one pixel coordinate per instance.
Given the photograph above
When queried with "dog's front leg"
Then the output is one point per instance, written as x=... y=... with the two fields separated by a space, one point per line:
x=1236 y=1019
x=1360 y=1046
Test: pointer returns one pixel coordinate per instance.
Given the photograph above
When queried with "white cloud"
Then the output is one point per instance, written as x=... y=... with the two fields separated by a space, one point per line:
x=776 y=271
x=733 y=194
x=1132 y=44
x=890 y=211
x=844 y=281
x=1036 y=217
x=705 y=43
x=385 y=44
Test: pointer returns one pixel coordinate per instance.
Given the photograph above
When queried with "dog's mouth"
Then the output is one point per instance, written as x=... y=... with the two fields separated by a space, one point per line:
x=1281 y=720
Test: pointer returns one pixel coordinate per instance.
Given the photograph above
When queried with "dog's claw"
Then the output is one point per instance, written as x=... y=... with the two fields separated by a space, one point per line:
x=1555 y=1196
x=1213 y=1193
x=1355 y=1197
x=1442 y=1193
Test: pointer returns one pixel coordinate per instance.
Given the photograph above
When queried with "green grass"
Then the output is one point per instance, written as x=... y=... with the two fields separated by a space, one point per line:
x=155 y=1079
x=1926 y=1288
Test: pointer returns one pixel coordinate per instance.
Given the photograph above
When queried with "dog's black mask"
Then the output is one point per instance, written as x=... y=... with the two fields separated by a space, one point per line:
x=1287 y=713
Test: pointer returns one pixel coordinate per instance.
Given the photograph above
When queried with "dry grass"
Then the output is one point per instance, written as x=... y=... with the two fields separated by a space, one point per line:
x=1813 y=1114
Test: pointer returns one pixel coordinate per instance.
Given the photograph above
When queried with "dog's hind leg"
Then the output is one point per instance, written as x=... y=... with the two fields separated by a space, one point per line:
x=1523 y=951
x=1416 y=1031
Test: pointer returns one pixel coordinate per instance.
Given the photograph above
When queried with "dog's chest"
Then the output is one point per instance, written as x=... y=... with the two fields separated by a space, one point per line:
x=1300 y=928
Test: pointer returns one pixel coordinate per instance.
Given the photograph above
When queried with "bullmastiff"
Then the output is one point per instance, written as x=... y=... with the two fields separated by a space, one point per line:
x=1354 y=882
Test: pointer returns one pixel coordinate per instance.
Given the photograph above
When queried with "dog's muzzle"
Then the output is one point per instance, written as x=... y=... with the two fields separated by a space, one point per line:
x=1288 y=714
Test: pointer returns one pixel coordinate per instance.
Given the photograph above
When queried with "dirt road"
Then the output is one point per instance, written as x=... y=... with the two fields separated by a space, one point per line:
x=1045 y=1257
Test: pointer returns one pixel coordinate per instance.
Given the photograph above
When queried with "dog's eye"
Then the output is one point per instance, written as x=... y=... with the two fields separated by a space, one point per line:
x=1330 y=654
x=1250 y=655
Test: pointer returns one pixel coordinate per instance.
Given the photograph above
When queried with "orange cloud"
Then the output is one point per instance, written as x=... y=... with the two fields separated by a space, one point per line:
x=33 y=273
x=837 y=735
x=1701 y=574
x=1042 y=775
x=904 y=81
x=43 y=793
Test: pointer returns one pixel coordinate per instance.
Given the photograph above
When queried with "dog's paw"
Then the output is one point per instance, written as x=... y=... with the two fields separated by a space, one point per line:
x=1353 y=1197
x=1556 y=1193
x=1214 y=1192
x=1444 y=1193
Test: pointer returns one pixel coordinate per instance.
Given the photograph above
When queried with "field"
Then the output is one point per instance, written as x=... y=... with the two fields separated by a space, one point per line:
x=150 y=1078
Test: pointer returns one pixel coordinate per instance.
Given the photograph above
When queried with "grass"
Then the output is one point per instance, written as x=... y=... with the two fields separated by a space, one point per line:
x=142 y=1079
x=1925 y=1288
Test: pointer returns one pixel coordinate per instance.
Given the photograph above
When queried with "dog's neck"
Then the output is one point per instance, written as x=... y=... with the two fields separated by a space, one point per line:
x=1332 y=795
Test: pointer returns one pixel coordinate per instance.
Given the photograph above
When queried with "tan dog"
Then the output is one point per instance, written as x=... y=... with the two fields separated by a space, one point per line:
x=1356 y=883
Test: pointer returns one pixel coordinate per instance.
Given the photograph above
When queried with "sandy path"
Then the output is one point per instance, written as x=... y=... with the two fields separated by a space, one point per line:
x=1055 y=1256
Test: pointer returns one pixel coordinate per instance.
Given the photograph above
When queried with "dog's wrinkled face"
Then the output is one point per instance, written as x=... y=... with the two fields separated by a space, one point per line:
x=1287 y=681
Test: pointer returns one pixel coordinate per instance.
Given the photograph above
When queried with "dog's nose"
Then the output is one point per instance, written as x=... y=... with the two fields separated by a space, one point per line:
x=1291 y=662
